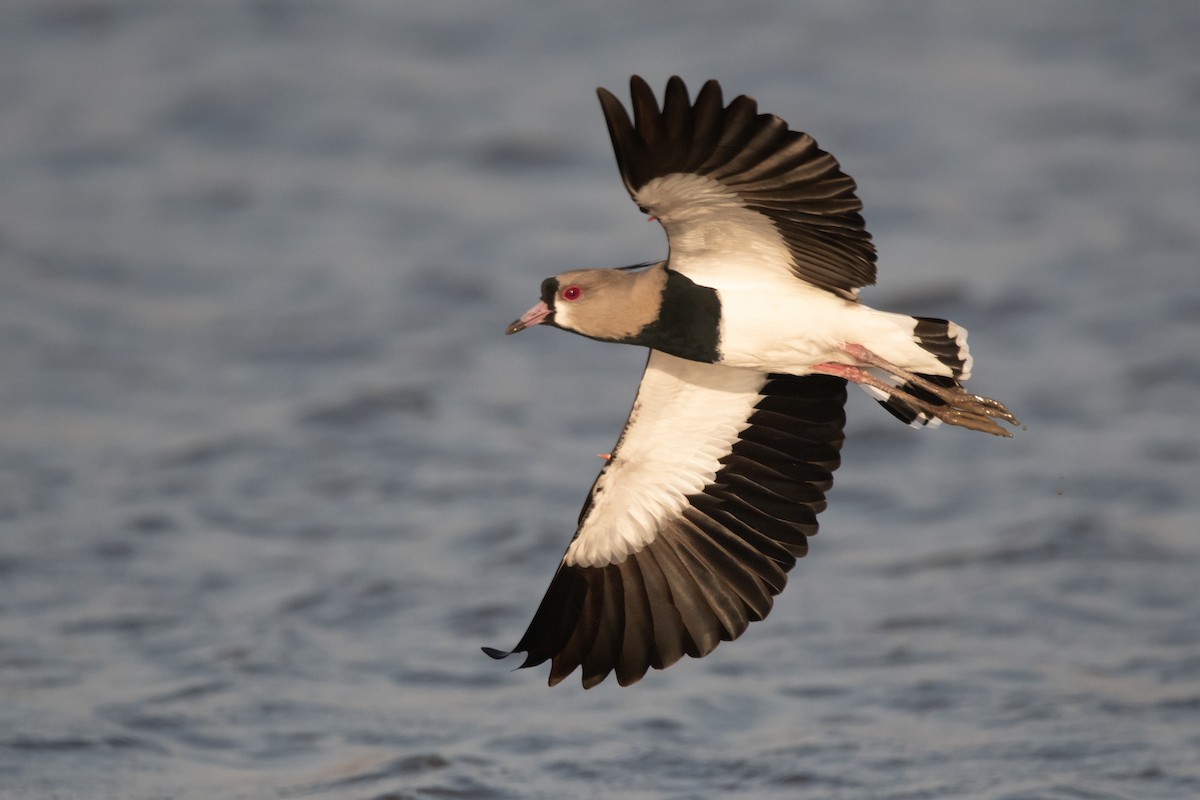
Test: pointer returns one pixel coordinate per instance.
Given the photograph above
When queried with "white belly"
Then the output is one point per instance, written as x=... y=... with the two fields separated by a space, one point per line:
x=792 y=327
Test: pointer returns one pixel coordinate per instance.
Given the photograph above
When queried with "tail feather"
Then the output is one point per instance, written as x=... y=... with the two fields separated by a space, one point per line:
x=947 y=342
x=925 y=387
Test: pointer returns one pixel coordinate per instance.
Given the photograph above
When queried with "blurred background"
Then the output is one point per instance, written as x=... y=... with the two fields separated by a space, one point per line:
x=270 y=473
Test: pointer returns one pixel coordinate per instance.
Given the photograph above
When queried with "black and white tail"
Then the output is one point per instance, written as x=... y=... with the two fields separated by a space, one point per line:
x=945 y=341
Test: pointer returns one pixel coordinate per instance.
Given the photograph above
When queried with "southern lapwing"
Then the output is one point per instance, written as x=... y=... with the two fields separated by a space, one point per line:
x=754 y=327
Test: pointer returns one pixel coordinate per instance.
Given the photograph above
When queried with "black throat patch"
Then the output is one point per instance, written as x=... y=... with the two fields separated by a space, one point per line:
x=689 y=321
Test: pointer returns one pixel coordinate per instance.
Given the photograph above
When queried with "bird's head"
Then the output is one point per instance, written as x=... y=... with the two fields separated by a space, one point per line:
x=607 y=304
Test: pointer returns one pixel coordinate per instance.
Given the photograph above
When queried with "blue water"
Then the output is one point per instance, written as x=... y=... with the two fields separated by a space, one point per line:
x=270 y=473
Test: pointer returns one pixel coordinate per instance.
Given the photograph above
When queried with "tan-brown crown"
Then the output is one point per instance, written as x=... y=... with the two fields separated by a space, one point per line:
x=612 y=304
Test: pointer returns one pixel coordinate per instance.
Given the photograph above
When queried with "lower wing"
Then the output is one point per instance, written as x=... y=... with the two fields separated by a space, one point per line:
x=691 y=527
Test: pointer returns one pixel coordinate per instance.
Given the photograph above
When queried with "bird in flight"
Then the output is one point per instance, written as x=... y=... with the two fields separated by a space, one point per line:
x=754 y=326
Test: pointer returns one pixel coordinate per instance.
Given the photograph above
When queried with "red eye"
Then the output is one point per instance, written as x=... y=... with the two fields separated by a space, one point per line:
x=572 y=293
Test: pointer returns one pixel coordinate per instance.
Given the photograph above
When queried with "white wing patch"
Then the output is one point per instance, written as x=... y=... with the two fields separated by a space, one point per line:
x=709 y=228
x=687 y=416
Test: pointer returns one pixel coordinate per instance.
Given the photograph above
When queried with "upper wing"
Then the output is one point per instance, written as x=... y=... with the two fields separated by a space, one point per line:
x=732 y=185
x=690 y=529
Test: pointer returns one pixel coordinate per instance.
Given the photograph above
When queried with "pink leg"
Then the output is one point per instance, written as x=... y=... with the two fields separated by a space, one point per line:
x=863 y=378
x=852 y=373
x=957 y=406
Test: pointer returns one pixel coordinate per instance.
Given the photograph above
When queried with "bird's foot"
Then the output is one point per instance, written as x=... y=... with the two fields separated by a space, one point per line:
x=956 y=406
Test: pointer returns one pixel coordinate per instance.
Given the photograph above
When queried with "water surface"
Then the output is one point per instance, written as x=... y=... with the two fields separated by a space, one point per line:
x=270 y=473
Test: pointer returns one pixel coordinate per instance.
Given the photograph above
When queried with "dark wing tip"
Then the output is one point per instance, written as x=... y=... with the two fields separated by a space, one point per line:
x=497 y=654
x=638 y=85
x=620 y=131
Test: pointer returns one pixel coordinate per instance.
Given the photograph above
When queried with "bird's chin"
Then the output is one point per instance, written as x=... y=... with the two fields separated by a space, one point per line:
x=534 y=316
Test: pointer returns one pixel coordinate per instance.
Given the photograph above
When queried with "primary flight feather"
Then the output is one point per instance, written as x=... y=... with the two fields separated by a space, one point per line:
x=754 y=327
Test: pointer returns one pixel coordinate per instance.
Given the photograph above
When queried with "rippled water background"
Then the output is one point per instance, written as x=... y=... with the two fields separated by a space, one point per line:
x=270 y=473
